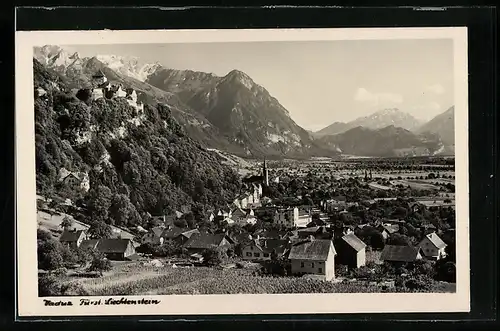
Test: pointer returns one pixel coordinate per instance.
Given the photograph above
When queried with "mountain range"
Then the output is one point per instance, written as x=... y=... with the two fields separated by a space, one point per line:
x=378 y=120
x=231 y=113
x=385 y=142
x=237 y=115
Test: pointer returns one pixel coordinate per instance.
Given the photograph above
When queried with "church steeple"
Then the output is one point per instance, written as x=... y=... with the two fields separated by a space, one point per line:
x=265 y=173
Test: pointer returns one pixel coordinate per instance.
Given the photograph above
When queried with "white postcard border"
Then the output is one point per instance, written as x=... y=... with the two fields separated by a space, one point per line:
x=28 y=302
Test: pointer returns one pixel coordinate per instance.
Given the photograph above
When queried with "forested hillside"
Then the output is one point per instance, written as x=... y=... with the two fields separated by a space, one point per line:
x=136 y=162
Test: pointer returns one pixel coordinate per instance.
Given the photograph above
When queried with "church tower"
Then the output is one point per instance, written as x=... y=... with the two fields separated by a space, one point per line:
x=265 y=174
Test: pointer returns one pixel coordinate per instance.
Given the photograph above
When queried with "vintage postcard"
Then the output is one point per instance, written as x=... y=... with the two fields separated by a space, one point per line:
x=242 y=171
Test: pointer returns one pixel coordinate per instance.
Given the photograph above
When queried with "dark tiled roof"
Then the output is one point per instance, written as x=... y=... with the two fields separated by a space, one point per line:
x=399 y=253
x=157 y=230
x=98 y=74
x=113 y=245
x=316 y=250
x=173 y=232
x=89 y=244
x=352 y=240
x=204 y=240
x=313 y=229
x=189 y=233
x=71 y=235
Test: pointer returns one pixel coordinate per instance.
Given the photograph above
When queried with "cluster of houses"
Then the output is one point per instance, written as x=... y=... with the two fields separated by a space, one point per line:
x=311 y=243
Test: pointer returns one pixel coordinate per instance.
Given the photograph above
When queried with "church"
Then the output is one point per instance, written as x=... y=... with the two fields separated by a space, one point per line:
x=262 y=179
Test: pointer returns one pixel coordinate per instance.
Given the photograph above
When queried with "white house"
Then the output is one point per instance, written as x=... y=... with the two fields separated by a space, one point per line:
x=433 y=247
x=313 y=256
x=288 y=217
x=154 y=236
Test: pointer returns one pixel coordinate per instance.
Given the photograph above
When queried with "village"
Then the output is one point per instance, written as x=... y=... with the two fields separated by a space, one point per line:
x=357 y=225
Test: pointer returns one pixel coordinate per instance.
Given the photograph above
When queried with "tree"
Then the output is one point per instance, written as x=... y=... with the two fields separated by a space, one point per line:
x=122 y=211
x=398 y=240
x=66 y=223
x=48 y=285
x=213 y=256
x=99 y=229
x=99 y=202
x=99 y=263
x=49 y=255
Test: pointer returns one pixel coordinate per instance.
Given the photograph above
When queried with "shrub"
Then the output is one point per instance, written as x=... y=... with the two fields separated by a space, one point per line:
x=74 y=289
x=99 y=263
x=49 y=255
x=48 y=285
x=341 y=270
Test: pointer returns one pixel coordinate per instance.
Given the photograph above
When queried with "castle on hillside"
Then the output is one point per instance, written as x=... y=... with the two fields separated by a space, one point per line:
x=101 y=87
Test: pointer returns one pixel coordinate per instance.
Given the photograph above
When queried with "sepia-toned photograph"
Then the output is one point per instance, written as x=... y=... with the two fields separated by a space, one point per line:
x=246 y=167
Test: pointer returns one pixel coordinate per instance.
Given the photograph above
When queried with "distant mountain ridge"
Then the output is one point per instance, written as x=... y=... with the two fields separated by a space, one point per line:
x=377 y=120
x=230 y=113
x=389 y=141
x=443 y=124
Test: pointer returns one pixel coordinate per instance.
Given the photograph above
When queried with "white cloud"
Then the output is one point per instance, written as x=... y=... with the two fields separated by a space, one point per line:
x=436 y=88
x=434 y=106
x=377 y=98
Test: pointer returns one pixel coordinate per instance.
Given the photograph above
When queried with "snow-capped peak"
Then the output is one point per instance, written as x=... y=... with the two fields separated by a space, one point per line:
x=129 y=66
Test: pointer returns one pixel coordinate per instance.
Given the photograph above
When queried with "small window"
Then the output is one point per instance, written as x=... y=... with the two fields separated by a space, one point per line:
x=251 y=247
x=256 y=254
x=312 y=265
x=302 y=264
x=320 y=270
x=249 y=254
x=266 y=254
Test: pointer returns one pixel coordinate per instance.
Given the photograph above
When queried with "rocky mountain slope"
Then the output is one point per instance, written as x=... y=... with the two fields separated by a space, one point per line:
x=243 y=111
x=230 y=113
x=377 y=120
x=385 y=142
x=443 y=125
x=137 y=163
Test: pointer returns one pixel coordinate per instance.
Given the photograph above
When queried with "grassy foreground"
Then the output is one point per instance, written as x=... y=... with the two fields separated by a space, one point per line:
x=133 y=279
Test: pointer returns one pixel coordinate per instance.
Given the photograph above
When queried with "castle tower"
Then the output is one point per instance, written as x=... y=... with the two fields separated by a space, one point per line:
x=265 y=174
x=98 y=79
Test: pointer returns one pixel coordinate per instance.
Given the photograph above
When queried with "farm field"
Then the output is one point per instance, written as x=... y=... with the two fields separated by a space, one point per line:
x=416 y=184
x=133 y=278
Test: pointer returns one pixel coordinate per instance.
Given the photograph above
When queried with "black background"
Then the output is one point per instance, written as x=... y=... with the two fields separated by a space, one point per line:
x=481 y=23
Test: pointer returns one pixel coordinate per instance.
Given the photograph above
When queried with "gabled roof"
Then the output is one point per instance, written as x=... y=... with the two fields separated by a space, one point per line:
x=113 y=245
x=436 y=241
x=189 y=233
x=173 y=232
x=270 y=245
x=71 y=235
x=313 y=229
x=205 y=240
x=391 y=228
x=240 y=211
x=352 y=240
x=89 y=244
x=98 y=74
x=399 y=253
x=157 y=230
x=316 y=250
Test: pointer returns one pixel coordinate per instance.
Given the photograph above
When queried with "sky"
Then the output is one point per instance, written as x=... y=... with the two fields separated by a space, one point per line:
x=321 y=82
